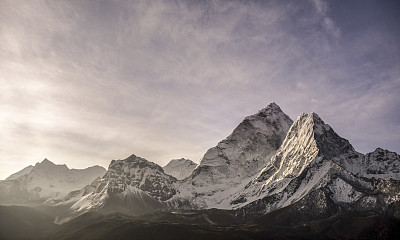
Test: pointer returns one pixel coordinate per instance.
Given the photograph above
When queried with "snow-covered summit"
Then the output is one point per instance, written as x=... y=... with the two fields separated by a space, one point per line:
x=308 y=140
x=251 y=142
x=139 y=173
x=133 y=185
x=270 y=110
x=46 y=180
x=47 y=162
x=47 y=165
x=134 y=161
x=229 y=166
x=180 y=168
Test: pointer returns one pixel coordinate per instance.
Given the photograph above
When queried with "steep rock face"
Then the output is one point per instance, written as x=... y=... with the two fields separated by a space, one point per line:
x=141 y=174
x=46 y=180
x=314 y=161
x=133 y=185
x=250 y=145
x=228 y=167
x=180 y=168
x=381 y=164
x=308 y=139
x=299 y=150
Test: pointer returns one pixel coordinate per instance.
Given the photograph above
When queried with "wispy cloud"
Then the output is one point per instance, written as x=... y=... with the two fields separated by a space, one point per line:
x=322 y=9
x=85 y=82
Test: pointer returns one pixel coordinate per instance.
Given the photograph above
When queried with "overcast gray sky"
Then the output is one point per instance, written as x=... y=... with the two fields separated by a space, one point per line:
x=84 y=82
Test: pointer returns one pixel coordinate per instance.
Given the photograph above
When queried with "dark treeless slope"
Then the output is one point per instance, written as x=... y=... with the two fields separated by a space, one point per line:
x=117 y=226
x=18 y=222
x=204 y=225
x=29 y=223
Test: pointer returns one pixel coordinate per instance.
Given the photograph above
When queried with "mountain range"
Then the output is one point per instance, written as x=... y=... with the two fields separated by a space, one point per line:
x=270 y=169
x=45 y=181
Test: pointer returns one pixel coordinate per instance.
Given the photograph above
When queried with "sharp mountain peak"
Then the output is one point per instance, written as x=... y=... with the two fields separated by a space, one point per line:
x=47 y=164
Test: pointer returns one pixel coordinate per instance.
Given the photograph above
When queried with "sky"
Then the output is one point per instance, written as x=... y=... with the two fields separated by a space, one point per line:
x=85 y=82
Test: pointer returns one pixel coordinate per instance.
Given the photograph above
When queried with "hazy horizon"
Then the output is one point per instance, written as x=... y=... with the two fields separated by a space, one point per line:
x=85 y=82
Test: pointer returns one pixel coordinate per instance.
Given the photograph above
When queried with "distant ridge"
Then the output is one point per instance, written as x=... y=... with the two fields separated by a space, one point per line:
x=180 y=168
x=46 y=181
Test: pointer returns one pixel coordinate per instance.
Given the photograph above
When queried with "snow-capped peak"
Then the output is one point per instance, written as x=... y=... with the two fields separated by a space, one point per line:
x=180 y=168
x=319 y=126
x=47 y=165
x=308 y=139
x=141 y=174
x=270 y=107
x=297 y=150
x=272 y=110
x=48 y=180
x=253 y=140
x=229 y=166
x=133 y=184
x=46 y=162
x=135 y=162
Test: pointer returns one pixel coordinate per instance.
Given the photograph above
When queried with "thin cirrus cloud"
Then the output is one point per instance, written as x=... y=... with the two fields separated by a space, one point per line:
x=84 y=82
x=322 y=8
